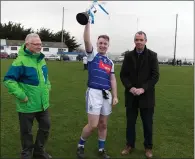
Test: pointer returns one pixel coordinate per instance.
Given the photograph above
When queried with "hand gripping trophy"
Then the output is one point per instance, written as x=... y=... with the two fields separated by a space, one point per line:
x=83 y=18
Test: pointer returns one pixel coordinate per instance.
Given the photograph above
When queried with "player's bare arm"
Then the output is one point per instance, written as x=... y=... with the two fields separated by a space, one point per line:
x=114 y=89
x=87 y=40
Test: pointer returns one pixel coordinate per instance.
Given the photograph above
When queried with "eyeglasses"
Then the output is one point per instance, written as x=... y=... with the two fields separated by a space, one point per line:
x=36 y=44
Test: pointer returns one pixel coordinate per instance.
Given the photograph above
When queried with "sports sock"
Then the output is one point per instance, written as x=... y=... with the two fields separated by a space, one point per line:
x=101 y=144
x=81 y=142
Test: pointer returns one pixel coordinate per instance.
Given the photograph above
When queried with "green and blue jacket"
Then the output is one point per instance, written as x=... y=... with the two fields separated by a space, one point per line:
x=28 y=77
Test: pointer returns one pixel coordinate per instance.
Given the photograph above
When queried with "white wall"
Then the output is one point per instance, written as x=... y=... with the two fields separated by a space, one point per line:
x=50 y=52
x=53 y=51
x=9 y=51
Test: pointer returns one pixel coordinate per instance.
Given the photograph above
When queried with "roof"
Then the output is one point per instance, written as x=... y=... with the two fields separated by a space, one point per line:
x=14 y=42
x=44 y=43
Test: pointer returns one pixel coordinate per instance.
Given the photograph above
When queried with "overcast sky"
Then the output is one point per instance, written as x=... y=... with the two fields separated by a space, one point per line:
x=156 y=19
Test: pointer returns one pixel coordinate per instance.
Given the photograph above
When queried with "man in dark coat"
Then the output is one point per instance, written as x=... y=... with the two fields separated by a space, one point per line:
x=139 y=74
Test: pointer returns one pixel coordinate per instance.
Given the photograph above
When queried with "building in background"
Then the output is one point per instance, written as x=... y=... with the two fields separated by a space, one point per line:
x=48 y=48
x=3 y=45
x=3 y=54
x=72 y=55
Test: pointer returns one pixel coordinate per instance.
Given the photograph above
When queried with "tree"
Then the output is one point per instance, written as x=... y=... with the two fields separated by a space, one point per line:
x=68 y=40
x=15 y=31
x=46 y=34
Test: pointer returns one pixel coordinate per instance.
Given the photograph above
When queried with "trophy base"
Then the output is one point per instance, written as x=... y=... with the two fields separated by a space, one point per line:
x=82 y=18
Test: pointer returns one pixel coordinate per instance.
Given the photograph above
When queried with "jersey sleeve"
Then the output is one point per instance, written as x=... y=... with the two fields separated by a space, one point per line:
x=91 y=55
x=112 y=70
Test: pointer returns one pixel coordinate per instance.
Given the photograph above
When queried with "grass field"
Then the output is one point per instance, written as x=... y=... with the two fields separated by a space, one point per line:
x=173 y=119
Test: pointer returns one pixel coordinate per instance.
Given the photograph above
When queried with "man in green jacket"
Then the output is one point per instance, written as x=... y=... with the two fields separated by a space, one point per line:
x=27 y=79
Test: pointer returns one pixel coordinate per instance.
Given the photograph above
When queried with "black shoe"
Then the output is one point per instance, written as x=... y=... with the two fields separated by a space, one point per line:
x=26 y=154
x=80 y=152
x=103 y=154
x=43 y=155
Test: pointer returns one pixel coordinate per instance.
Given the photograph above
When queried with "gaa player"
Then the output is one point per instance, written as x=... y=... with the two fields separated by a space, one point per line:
x=99 y=99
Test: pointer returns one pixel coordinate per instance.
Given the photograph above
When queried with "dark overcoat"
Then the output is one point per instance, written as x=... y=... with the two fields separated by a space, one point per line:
x=140 y=71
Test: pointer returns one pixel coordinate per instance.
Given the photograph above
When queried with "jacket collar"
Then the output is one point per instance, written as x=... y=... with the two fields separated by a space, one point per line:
x=144 y=51
x=28 y=53
x=145 y=54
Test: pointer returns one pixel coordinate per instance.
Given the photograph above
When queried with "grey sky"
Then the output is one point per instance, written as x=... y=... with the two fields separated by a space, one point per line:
x=156 y=18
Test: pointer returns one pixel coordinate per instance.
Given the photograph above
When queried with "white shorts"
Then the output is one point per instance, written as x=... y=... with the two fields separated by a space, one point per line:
x=96 y=104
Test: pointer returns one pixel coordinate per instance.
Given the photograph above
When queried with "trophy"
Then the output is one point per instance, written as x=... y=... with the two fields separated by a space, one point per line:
x=83 y=18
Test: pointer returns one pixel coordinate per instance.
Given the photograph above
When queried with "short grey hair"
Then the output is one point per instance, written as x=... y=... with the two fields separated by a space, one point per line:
x=140 y=33
x=30 y=36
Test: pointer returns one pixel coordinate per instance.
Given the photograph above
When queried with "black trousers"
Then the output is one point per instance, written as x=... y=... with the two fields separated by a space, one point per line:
x=26 y=123
x=147 y=121
x=85 y=66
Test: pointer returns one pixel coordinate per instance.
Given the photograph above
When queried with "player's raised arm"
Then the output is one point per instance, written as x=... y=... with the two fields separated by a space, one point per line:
x=87 y=40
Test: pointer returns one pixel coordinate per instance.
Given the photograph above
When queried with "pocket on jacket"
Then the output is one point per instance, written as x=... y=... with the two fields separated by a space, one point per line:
x=28 y=103
x=20 y=104
x=45 y=97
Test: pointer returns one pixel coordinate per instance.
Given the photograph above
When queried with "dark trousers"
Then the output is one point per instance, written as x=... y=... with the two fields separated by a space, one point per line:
x=85 y=66
x=26 y=123
x=147 y=121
